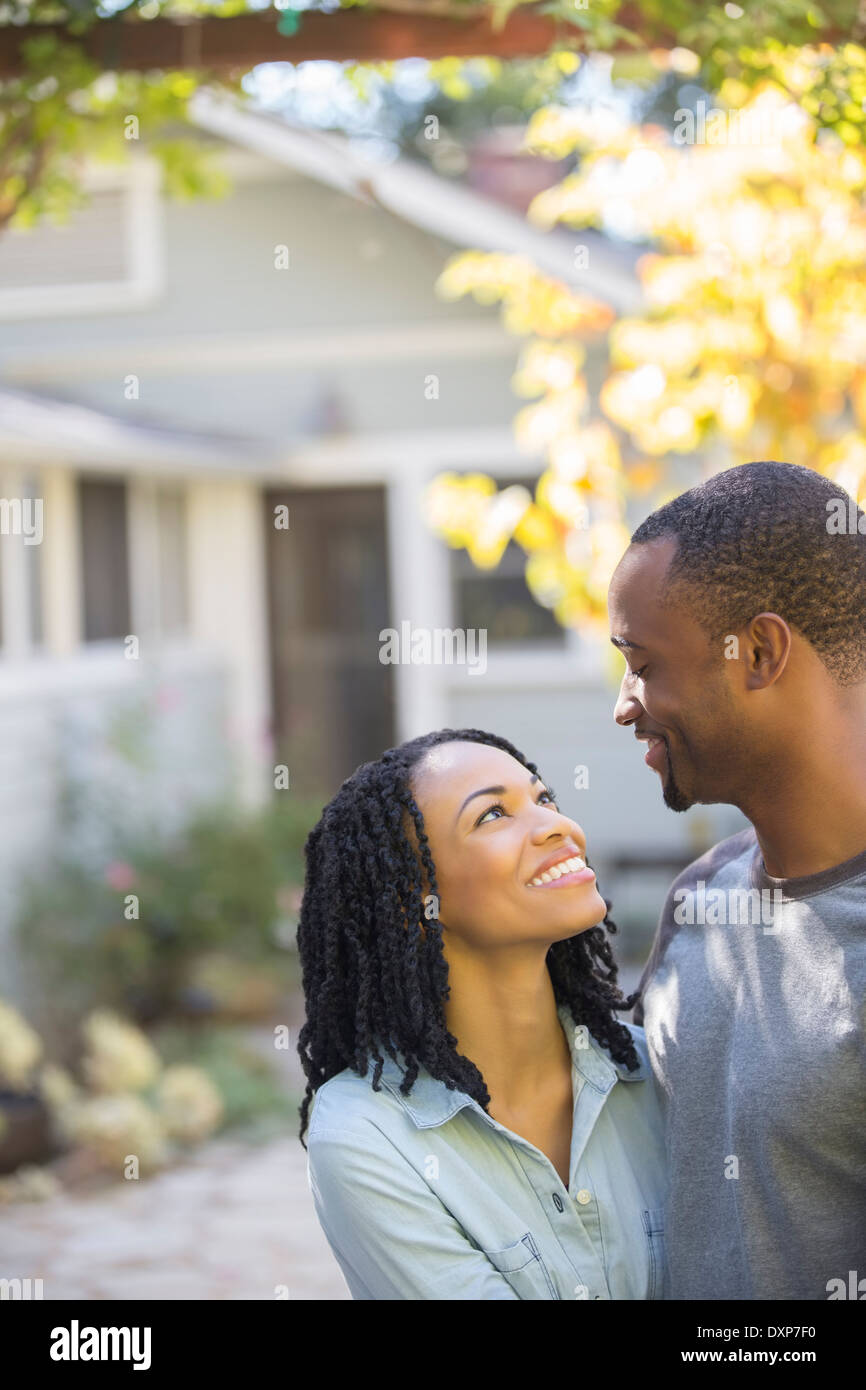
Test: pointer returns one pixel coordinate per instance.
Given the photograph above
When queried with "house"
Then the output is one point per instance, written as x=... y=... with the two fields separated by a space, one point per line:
x=222 y=409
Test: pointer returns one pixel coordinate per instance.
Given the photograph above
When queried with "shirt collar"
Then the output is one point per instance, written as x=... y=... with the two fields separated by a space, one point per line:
x=430 y=1102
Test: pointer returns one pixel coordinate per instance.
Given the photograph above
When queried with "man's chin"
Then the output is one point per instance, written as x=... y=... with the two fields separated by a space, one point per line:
x=675 y=799
x=672 y=793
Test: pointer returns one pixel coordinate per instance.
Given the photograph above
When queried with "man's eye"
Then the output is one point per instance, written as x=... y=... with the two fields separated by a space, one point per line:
x=640 y=672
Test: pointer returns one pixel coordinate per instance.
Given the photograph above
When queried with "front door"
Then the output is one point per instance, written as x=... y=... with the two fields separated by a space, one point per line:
x=333 y=700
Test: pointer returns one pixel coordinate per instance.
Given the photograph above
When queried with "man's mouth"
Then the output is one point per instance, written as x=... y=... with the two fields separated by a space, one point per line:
x=656 y=752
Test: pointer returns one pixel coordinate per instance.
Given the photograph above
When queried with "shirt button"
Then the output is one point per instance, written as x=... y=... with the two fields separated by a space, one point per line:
x=583 y=1196
x=557 y=1201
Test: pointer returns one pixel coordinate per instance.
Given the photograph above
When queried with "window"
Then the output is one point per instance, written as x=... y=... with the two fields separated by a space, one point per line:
x=106 y=256
x=104 y=558
x=499 y=600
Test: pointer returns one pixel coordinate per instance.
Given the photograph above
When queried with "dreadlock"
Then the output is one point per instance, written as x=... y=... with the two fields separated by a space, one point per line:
x=374 y=972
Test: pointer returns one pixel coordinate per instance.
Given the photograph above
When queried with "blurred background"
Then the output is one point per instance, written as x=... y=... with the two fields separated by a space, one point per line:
x=276 y=286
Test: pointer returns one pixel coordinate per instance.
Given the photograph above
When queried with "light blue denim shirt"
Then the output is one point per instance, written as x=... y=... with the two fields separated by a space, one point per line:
x=427 y=1197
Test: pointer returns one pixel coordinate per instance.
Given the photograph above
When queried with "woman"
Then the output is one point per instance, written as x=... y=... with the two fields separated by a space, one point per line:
x=482 y=1125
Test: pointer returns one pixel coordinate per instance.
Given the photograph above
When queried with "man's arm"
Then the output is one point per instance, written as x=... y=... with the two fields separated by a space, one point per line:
x=703 y=868
x=665 y=929
x=389 y=1229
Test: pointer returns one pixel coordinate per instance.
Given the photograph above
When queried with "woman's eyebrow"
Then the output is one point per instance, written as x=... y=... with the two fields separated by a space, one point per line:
x=489 y=791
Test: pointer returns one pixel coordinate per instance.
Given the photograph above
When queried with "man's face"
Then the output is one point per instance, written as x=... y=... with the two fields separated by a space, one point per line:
x=675 y=691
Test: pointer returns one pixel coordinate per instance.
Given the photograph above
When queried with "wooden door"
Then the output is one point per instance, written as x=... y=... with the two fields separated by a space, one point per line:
x=333 y=699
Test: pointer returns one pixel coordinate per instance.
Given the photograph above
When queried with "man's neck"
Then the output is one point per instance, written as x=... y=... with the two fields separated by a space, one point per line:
x=813 y=817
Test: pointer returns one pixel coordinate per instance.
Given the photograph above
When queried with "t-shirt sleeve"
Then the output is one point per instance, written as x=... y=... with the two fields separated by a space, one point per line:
x=664 y=931
x=704 y=867
x=390 y=1233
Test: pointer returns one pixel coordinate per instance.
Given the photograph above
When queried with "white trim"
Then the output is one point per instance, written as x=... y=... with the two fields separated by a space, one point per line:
x=250 y=352
x=96 y=664
x=17 y=638
x=352 y=459
x=143 y=557
x=375 y=458
x=140 y=180
x=419 y=590
x=577 y=665
x=62 y=588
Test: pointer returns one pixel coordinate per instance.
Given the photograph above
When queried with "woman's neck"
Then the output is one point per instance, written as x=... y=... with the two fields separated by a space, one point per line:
x=502 y=1011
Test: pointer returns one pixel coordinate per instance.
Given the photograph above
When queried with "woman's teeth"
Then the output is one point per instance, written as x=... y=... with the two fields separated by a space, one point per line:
x=565 y=866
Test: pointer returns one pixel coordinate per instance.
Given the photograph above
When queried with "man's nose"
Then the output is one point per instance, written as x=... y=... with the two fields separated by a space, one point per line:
x=627 y=708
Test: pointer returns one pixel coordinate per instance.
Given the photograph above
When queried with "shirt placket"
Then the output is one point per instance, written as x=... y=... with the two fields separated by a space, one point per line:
x=572 y=1215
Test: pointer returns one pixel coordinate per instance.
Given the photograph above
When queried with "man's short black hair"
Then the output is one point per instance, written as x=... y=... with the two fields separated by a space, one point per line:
x=755 y=538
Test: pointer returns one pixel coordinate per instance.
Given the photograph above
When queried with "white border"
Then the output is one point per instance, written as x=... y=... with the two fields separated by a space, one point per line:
x=140 y=181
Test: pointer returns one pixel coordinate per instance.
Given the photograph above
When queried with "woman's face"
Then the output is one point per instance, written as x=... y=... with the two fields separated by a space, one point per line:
x=494 y=831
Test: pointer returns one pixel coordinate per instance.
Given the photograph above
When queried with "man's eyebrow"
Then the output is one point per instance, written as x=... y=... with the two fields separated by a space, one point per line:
x=489 y=791
x=624 y=644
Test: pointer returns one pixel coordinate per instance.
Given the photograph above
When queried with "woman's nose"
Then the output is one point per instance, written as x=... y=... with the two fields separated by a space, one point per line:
x=562 y=825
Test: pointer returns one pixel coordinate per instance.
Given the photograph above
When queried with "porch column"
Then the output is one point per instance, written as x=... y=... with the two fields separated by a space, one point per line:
x=420 y=594
x=62 y=618
x=227 y=598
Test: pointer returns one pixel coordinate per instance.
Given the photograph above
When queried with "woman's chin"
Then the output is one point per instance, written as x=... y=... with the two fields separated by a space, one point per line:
x=582 y=917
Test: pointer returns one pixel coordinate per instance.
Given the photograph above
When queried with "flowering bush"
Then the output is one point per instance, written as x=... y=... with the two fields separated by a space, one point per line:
x=188 y=1103
x=126 y=1104
x=20 y=1050
x=119 y=1056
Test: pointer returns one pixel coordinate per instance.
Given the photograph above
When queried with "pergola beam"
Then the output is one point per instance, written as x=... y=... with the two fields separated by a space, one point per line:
x=237 y=43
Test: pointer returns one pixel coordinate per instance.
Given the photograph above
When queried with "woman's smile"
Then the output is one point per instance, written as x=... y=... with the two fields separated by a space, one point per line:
x=569 y=870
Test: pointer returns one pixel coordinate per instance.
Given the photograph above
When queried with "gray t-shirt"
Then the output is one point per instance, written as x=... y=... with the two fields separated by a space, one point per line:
x=753 y=1006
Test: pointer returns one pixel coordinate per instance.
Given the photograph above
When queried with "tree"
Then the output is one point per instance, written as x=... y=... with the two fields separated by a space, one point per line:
x=752 y=343
x=78 y=77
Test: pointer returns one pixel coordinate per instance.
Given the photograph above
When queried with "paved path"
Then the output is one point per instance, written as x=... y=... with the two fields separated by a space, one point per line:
x=231 y=1221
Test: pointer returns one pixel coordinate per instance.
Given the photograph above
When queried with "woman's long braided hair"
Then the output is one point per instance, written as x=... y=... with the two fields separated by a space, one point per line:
x=374 y=973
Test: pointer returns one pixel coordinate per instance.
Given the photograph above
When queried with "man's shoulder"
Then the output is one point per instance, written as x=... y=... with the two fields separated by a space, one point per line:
x=703 y=869
x=742 y=845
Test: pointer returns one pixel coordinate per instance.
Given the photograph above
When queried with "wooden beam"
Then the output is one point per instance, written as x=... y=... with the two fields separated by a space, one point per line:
x=237 y=43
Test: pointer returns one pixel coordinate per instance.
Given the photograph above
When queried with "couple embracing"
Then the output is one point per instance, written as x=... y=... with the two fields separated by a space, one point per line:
x=482 y=1122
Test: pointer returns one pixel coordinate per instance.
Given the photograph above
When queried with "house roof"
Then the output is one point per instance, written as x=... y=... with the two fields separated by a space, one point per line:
x=414 y=192
x=44 y=429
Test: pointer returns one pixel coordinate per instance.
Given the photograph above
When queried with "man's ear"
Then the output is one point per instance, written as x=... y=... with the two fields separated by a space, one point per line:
x=766 y=647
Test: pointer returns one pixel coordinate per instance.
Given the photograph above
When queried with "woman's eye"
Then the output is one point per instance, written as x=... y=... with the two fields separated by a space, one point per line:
x=549 y=797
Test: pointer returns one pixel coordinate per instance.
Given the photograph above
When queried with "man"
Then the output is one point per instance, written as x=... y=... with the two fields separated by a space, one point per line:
x=740 y=608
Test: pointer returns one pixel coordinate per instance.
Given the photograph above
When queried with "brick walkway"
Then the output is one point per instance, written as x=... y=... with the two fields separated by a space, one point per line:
x=233 y=1221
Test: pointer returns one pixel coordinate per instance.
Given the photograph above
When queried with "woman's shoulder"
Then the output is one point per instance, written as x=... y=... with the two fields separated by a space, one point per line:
x=347 y=1107
x=638 y=1037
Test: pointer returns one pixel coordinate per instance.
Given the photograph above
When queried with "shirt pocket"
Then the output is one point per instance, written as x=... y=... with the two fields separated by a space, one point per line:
x=523 y=1267
x=654 y=1228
